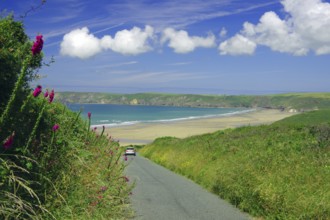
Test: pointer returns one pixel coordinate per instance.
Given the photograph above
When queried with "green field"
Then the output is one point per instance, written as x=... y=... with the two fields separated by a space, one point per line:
x=278 y=171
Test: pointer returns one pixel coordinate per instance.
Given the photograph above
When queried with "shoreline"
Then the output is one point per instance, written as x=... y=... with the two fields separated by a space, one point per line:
x=161 y=121
x=144 y=133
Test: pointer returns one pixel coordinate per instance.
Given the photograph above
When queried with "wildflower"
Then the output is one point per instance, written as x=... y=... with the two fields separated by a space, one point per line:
x=37 y=91
x=51 y=96
x=94 y=128
x=89 y=114
x=94 y=203
x=37 y=45
x=9 y=141
x=46 y=93
x=103 y=188
x=56 y=127
x=125 y=158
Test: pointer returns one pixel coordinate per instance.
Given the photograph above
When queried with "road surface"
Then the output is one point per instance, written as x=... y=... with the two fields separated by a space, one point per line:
x=161 y=194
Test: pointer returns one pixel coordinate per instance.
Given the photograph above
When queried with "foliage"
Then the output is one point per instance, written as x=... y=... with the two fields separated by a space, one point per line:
x=278 y=171
x=298 y=101
x=14 y=47
x=51 y=165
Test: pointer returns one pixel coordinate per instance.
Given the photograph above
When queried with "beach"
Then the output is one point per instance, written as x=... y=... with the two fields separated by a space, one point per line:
x=144 y=133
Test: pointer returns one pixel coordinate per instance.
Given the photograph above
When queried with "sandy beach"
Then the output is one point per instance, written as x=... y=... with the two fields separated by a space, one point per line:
x=144 y=133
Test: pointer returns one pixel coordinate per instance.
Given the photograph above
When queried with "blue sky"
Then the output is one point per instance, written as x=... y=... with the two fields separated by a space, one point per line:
x=186 y=46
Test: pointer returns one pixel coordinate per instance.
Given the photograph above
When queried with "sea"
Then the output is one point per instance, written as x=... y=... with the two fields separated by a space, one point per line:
x=110 y=115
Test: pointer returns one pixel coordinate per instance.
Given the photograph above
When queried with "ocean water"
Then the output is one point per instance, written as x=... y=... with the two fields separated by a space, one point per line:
x=118 y=115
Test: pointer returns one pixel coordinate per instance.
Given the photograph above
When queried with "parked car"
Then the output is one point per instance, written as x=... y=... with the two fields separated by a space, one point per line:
x=130 y=151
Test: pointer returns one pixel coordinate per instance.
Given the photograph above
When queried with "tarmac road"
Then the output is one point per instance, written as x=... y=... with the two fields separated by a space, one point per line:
x=161 y=194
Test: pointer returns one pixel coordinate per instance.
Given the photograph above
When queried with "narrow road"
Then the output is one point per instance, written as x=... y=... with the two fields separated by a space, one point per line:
x=161 y=194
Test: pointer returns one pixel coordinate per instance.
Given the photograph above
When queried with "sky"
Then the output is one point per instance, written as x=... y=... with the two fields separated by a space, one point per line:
x=233 y=47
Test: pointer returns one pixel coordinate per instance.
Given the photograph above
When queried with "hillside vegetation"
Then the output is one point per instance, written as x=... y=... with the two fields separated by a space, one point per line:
x=278 y=171
x=298 y=101
x=52 y=166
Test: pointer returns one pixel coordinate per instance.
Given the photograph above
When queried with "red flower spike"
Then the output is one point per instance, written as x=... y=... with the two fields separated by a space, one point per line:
x=46 y=93
x=37 y=91
x=9 y=141
x=51 y=96
x=37 y=45
x=55 y=127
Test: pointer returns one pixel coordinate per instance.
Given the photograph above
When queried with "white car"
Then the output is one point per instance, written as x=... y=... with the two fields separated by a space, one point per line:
x=130 y=151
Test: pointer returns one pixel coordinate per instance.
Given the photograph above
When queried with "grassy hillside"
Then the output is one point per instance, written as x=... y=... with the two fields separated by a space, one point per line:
x=278 y=171
x=299 y=101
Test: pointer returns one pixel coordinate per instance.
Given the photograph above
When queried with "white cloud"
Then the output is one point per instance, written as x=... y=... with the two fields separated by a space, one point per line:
x=237 y=45
x=305 y=28
x=276 y=34
x=181 y=42
x=80 y=43
x=223 y=32
x=129 y=42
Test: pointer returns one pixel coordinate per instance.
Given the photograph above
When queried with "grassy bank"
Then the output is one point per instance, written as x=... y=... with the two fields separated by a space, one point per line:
x=52 y=165
x=64 y=173
x=279 y=171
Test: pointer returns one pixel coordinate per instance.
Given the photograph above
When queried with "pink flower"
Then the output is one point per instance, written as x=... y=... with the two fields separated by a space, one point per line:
x=125 y=158
x=37 y=45
x=37 y=91
x=103 y=188
x=89 y=114
x=46 y=93
x=51 y=96
x=56 y=127
x=9 y=141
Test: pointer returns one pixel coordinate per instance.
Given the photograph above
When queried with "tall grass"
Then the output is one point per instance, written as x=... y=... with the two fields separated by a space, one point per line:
x=63 y=174
x=51 y=165
x=279 y=171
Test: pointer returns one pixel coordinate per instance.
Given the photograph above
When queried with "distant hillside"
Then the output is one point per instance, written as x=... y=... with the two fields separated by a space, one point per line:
x=299 y=101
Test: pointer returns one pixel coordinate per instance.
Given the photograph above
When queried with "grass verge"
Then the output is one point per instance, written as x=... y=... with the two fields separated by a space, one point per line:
x=278 y=171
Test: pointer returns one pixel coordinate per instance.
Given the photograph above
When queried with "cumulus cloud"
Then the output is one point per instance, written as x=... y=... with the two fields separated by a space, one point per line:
x=181 y=42
x=305 y=28
x=238 y=45
x=82 y=44
x=129 y=42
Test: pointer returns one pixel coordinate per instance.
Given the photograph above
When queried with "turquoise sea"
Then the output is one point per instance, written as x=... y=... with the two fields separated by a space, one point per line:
x=117 y=115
